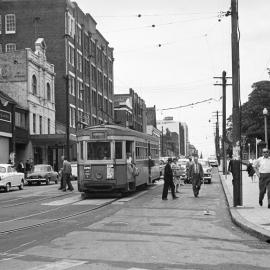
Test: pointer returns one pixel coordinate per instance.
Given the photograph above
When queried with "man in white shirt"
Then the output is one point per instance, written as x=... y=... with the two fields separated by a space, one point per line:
x=262 y=169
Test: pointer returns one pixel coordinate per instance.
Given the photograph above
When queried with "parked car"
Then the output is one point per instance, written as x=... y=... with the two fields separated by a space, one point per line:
x=213 y=162
x=182 y=163
x=9 y=177
x=42 y=173
x=207 y=170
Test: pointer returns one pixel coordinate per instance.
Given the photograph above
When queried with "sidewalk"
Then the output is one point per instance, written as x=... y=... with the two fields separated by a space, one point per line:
x=251 y=217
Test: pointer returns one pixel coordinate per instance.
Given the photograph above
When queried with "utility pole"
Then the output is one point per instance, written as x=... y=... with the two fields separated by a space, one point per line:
x=224 y=102
x=67 y=118
x=236 y=130
x=217 y=140
x=162 y=147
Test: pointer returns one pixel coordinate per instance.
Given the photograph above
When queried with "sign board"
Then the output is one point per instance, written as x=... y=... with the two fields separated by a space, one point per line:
x=13 y=66
x=123 y=100
x=98 y=135
x=5 y=116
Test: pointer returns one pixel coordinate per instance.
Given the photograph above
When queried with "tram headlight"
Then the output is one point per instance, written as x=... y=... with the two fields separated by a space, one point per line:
x=110 y=172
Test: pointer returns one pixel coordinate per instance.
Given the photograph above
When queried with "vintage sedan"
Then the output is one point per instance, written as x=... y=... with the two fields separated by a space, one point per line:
x=9 y=177
x=207 y=170
x=42 y=173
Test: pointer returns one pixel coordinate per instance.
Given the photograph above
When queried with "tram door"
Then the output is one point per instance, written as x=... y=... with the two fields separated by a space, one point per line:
x=130 y=177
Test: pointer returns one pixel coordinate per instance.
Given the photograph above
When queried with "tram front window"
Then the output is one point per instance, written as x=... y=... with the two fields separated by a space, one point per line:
x=98 y=150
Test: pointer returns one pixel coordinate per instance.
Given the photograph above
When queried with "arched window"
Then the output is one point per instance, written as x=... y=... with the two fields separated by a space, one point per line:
x=48 y=92
x=34 y=85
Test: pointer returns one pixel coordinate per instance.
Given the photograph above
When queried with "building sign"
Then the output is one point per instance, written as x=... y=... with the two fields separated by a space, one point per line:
x=5 y=116
x=123 y=100
x=13 y=67
x=98 y=135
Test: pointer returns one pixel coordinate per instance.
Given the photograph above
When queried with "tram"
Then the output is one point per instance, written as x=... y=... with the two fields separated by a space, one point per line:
x=103 y=159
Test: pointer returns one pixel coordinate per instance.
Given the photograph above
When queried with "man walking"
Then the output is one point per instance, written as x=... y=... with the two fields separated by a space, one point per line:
x=168 y=181
x=66 y=174
x=196 y=176
x=262 y=169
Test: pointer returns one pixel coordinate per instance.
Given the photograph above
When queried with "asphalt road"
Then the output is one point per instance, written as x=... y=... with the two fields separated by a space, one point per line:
x=136 y=232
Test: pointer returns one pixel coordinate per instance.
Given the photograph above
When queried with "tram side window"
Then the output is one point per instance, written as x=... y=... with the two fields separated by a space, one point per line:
x=98 y=150
x=81 y=150
x=118 y=150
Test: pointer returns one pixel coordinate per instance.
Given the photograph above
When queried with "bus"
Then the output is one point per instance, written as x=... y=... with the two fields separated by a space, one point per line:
x=103 y=159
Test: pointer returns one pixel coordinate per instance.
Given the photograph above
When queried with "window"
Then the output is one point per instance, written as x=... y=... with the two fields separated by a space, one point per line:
x=71 y=85
x=71 y=53
x=72 y=116
x=105 y=85
x=20 y=120
x=100 y=103
x=70 y=25
x=110 y=88
x=48 y=92
x=40 y=124
x=79 y=36
x=94 y=98
x=100 y=80
x=93 y=76
x=81 y=150
x=49 y=126
x=79 y=62
x=93 y=49
x=80 y=90
x=118 y=150
x=34 y=123
x=10 y=47
x=98 y=151
x=34 y=84
x=110 y=108
x=10 y=23
x=0 y=24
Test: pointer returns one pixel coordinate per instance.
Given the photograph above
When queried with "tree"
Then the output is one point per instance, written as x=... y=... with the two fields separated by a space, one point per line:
x=252 y=119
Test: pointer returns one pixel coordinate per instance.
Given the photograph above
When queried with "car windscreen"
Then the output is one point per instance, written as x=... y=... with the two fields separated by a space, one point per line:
x=98 y=150
x=2 y=169
x=40 y=169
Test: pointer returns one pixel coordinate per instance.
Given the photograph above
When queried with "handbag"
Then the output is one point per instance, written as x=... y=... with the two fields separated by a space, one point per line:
x=136 y=171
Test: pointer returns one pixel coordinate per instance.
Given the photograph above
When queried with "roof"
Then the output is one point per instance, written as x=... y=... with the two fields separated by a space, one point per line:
x=6 y=97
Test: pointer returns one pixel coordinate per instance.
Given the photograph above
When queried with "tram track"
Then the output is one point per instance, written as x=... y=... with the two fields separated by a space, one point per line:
x=38 y=224
x=36 y=200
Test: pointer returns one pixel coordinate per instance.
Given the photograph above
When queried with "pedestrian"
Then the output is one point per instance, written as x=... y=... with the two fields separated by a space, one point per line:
x=176 y=174
x=262 y=169
x=251 y=170
x=66 y=175
x=168 y=181
x=188 y=165
x=20 y=167
x=196 y=176
x=27 y=167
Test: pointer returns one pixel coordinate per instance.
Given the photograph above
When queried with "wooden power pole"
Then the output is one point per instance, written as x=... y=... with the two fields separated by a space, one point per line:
x=236 y=130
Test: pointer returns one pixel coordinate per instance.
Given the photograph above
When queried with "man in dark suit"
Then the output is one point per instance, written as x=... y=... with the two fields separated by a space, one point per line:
x=196 y=176
x=168 y=181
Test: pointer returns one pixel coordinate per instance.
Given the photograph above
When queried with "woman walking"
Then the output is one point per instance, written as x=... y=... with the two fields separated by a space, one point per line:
x=251 y=171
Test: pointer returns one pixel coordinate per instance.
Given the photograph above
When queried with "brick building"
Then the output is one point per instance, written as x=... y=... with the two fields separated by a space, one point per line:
x=82 y=58
x=130 y=111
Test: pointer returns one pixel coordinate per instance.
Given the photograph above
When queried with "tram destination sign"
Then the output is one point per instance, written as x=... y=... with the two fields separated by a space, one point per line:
x=98 y=135
x=5 y=116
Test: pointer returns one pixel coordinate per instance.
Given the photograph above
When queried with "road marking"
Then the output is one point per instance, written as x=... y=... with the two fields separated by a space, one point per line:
x=93 y=202
x=23 y=245
x=60 y=265
x=69 y=200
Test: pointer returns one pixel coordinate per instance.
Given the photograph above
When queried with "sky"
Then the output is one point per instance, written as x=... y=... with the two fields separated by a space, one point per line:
x=168 y=51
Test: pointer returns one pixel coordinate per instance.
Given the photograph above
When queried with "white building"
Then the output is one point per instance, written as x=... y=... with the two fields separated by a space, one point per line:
x=29 y=80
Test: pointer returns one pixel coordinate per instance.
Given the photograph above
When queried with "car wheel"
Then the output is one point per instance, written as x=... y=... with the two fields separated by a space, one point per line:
x=47 y=181
x=29 y=183
x=209 y=181
x=21 y=185
x=7 y=188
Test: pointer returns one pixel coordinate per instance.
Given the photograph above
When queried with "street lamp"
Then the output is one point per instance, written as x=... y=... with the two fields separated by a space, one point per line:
x=265 y=113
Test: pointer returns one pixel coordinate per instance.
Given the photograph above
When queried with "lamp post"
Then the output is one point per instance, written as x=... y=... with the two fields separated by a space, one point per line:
x=265 y=113
x=249 y=151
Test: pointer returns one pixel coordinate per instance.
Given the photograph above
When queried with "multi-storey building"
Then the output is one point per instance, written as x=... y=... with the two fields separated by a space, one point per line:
x=81 y=55
x=28 y=78
x=130 y=111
